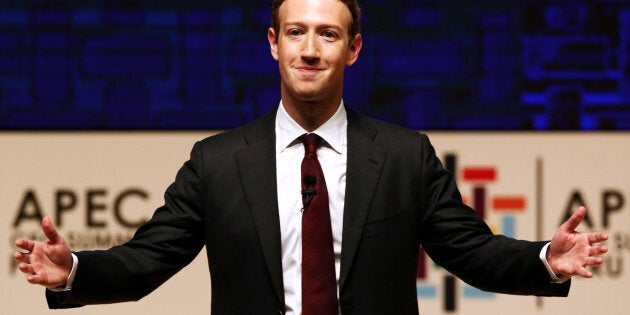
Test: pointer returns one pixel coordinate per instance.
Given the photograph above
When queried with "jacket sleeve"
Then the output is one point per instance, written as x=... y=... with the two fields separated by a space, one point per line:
x=170 y=240
x=456 y=238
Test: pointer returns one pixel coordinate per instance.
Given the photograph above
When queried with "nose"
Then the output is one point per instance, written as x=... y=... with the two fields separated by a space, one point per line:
x=310 y=47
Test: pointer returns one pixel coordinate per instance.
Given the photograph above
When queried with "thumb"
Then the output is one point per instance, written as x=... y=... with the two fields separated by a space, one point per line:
x=49 y=230
x=576 y=218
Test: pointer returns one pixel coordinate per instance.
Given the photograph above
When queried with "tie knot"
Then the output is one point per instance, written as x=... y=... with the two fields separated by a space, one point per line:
x=311 y=142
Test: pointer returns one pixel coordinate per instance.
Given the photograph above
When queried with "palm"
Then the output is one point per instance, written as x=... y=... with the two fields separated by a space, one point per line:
x=571 y=252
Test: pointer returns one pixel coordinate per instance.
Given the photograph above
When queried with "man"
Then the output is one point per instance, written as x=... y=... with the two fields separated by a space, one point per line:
x=239 y=195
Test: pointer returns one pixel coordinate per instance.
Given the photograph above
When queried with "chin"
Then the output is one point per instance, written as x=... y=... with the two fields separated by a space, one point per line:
x=308 y=95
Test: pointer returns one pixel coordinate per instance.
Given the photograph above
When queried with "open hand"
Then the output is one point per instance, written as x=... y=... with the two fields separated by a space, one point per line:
x=47 y=263
x=571 y=252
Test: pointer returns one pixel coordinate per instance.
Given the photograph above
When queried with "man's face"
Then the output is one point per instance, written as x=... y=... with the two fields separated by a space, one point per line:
x=312 y=48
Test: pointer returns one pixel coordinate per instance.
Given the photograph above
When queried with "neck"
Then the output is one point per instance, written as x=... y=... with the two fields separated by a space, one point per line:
x=310 y=114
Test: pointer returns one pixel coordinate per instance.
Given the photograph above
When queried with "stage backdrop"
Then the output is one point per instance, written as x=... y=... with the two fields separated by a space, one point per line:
x=98 y=186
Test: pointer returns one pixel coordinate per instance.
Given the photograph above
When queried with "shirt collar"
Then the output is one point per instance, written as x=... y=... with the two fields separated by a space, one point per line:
x=333 y=131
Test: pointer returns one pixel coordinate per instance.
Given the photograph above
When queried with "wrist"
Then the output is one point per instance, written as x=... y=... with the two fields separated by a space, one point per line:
x=70 y=278
x=547 y=260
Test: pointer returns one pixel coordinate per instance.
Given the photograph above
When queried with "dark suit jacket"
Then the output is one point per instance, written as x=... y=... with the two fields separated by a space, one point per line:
x=398 y=197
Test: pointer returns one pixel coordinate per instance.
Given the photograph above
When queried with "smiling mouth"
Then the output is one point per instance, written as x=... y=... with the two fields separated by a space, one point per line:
x=308 y=70
x=308 y=73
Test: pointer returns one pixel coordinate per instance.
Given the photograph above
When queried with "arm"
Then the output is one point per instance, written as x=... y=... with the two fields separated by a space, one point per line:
x=459 y=240
x=160 y=248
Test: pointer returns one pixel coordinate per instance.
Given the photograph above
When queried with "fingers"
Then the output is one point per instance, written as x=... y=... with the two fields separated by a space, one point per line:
x=26 y=268
x=30 y=271
x=591 y=261
x=49 y=230
x=581 y=271
x=26 y=245
x=596 y=237
x=22 y=257
x=597 y=250
x=34 y=274
x=585 y=273
x=34 y=279
x=576 y=218
x=594 y=261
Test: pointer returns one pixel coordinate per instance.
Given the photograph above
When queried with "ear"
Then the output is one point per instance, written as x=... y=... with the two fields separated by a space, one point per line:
x=273 y=43
x=354 y=49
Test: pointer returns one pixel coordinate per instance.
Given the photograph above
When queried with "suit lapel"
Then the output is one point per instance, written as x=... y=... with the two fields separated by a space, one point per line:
x=365 y=163
x=257 y=170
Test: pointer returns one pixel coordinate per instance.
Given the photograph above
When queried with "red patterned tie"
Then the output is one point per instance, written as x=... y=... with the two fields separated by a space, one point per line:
x=319 y=283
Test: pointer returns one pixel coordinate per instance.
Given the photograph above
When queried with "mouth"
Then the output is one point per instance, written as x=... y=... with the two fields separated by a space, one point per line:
x=308 y=70
x=308 y=74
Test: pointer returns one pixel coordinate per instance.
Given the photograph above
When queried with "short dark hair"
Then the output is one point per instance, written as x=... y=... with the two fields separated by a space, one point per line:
x=353 y=6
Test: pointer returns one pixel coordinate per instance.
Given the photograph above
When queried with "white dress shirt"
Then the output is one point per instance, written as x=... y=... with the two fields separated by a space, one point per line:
x=332 y=156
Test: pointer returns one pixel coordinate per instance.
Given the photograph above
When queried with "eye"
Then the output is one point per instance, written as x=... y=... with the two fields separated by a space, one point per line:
x=294 y=32
x=329 y=35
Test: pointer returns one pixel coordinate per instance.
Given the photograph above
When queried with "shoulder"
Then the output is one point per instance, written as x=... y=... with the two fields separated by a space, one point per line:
x=261 y=129
x=385 y=133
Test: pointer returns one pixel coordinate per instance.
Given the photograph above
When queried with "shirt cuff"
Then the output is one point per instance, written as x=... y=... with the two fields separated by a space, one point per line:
x=73 y=272
x=555 y=278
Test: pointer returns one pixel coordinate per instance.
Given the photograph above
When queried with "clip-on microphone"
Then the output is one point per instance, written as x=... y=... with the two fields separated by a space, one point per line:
x=309 y=181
